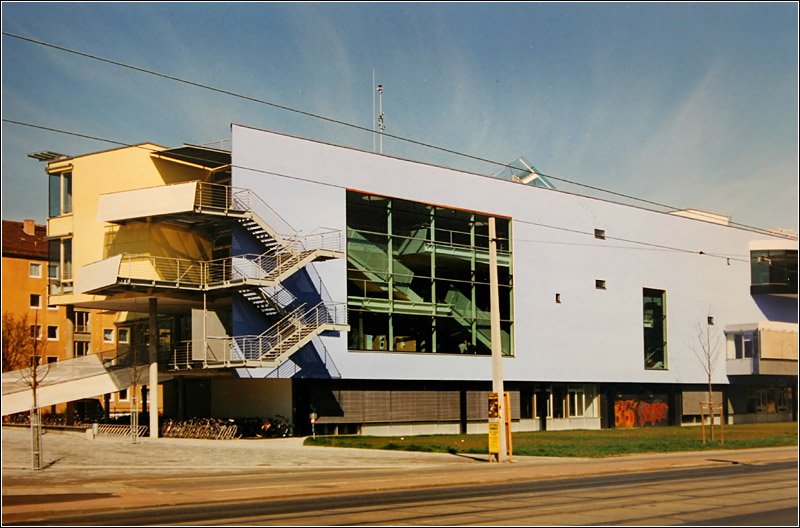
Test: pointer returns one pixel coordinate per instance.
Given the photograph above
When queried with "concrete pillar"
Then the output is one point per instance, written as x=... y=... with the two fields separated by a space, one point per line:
x=69 y=353
x=152 y=347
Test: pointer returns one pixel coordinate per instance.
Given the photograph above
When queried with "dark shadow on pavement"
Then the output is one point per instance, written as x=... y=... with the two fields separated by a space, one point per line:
x=18 y=500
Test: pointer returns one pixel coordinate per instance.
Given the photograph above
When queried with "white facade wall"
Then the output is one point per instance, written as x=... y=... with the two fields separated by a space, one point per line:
x=592 y=336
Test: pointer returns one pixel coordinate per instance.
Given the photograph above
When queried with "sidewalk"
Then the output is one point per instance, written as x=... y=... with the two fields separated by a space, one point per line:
x=95 y=474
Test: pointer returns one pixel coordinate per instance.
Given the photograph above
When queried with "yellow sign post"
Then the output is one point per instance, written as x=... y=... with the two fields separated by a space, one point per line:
x=494 y=425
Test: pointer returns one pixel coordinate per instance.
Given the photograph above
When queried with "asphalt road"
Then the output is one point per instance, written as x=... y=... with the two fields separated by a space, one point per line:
x=108 y=480
x=729 y=495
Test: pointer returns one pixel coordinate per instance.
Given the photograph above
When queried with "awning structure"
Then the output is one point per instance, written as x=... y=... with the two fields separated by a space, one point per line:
x=196 y=155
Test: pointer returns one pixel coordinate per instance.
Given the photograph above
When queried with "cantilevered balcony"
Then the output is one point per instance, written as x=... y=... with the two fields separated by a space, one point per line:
x=127 y=272
x=193 y=203
x=758 y=349
x=773 y=268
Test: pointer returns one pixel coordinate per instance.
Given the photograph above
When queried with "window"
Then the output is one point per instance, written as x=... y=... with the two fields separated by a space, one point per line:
x=108 y=335
x=52 y=333
x=773 y=271
x=35 y=270
x=600 y=284
x=82 y=322
x=600 y=234
x=418 y=277
x=655 y=329
x=60 y=194
x=35 y=300
x=80 y=348
x=35 y=331
x=52 y=359
x=59 y=271
x=124 y=335
x=745 y=344
x=577 y=402
x=122 y=395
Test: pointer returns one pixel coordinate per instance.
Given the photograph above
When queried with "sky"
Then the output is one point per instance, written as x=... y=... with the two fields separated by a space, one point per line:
x=691 y=105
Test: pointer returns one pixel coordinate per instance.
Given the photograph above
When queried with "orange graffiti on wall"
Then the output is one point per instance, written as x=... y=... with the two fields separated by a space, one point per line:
x=652 y=413
x=625 y=413
x=637 y=413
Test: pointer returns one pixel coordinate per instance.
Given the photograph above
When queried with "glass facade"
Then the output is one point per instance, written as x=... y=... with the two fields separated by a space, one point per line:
x=418 y=277
x=655 y=329
x=773 y=271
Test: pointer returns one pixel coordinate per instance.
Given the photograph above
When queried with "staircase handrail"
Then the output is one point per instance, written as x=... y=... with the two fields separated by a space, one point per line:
x=247 y=200
x=327 y=238
x=201 y=273
x=281 y=336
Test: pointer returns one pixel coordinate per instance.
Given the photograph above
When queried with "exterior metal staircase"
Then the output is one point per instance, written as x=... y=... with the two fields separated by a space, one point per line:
x=257 y=277
x=270 y=348
x=270 y=300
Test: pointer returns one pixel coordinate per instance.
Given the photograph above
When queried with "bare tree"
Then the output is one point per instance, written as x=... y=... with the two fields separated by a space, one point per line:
x=17 y=345
x=23 y=351
x=707 y=349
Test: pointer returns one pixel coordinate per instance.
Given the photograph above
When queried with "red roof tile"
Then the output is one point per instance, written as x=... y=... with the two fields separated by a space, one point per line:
x=17 y=243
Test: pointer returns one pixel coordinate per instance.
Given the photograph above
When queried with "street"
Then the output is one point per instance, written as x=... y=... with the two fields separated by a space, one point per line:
x=728 y=494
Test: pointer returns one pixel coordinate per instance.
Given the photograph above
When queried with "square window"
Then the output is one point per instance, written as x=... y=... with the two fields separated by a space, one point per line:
x=108 y=335
x=600 y=234
x=123 y=395
x=124 y=335
x=710 y=320
x=35 y=331
x=52 y=333
x=35 y=300
x=35 y=270
x=600 y=284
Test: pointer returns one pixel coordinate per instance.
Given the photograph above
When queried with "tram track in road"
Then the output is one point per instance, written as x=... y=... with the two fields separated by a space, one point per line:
x=676 y=496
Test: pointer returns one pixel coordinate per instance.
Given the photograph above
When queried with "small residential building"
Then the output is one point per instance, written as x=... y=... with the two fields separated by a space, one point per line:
x=287 y=276
x=26 y=299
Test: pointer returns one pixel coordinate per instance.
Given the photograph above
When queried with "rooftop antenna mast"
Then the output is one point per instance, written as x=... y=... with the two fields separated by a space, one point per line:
x=381 y=126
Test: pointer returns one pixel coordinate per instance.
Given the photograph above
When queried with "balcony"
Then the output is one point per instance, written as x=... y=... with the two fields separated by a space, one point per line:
x=761 y=349
x=773 y=269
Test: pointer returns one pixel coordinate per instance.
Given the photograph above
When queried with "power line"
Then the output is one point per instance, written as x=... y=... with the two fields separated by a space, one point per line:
x=308 y=180
x=359 y=127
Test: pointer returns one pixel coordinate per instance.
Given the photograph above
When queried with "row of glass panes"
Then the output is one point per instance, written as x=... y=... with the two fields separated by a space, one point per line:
x=442 y=237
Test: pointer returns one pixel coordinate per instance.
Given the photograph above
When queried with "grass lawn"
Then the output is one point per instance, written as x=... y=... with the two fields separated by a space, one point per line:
x=583 y=443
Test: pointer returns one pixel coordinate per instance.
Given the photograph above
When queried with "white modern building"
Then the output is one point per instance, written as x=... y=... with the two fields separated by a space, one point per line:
x=289 y=276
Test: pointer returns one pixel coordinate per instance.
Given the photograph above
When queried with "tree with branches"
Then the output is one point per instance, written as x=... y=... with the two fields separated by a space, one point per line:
x=22 y=351
x=707 y=348
x=17 y=343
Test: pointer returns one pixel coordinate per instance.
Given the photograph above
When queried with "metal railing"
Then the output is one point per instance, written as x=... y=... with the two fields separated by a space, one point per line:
x=278 y=340
x=200 y=274
x=226 y=199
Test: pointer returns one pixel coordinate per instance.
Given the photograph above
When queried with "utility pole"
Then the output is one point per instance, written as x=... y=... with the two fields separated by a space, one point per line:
x=497 y=350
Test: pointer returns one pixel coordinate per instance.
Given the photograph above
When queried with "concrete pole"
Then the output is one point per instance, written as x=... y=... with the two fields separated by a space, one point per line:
x=152 y=347
x=497 y=350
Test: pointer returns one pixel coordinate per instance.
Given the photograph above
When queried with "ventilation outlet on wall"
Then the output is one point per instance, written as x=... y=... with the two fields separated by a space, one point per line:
x=600 y=284
x=600 y=233
x=710 y=320
x=558 y=298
